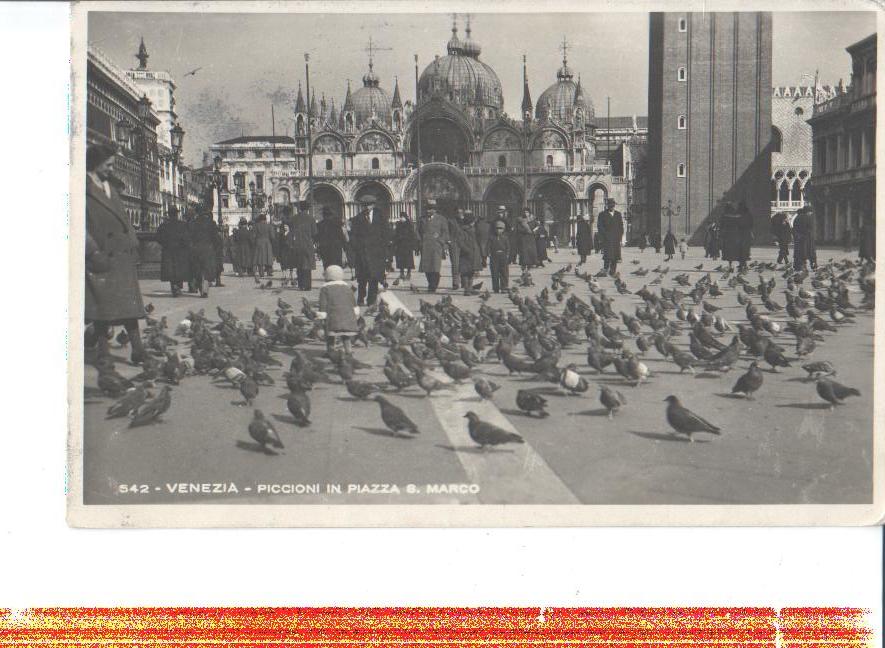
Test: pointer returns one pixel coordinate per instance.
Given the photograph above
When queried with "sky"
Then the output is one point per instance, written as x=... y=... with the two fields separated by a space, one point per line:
x=249 y=61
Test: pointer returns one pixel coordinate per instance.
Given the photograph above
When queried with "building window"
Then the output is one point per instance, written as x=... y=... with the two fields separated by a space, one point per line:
x=375 y=163
x=328 y=165
x=225 y=202
x=259 y=181
x=800 y=111
x=259 y=154
x=680 y=73
x=683 y=25
x=550 y=160
x=502 y=161
x=680 y=170
x=241 y=154
x=680 y=122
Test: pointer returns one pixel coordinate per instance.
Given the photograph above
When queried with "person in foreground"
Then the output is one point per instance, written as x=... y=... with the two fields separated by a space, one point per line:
x=338 y=308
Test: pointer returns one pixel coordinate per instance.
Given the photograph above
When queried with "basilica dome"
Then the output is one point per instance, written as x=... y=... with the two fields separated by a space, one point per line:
x=564 y=100
x=370 y=100
x=461 y=77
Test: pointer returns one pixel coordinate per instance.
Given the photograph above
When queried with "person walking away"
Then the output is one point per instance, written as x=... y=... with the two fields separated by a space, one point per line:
x=338 y=309
x=643 y=243
x=470 y=256
x=112 y=296
x=219 y=254
x=584 y=238
x=454 y=250
x=783 y=234
x=262 y=242
x=669 y=245
x=304 y=231
x=435 y=236
x=499 y=257
x=483 y=231
x=683 y=248
x=204 y=242
x=866 y=250
x=331 y=239
x=611 y=228
x=656 y=242
x=405 y=243
x=745 y=228
x=285 y=250
x=369 y=237
x=730 y=231
x=175 y=262
x=528 y=250
x=239 y=242
x=708 y=241
x=541 y=240
x=190 y=219
x=804 y=248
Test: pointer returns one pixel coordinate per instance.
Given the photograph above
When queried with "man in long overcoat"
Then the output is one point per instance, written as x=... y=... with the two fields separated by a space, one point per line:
x=783 y=234
x=370 y=238
x=433 y=231
x=204 y=236
x=584 y=238
x=331 y=239
x=175 y=262
x=528 y=248
x=455 y=218
x=470 y=257
x=804 y=247
x=303 y=233
x=112 y=296
x=483 y=230
x=610 y=226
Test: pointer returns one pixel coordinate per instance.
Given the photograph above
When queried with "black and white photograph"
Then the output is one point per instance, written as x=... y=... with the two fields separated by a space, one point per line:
x=402 y=265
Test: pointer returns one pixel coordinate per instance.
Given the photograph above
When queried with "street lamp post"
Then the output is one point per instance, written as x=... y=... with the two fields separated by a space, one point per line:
x=144 y=111
x=177 y=139
x=216 y=183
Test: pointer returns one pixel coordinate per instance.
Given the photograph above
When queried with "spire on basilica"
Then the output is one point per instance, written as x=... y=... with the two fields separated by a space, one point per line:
x=526 y=94
x=142 y=55
x=299 y=101
x=396 y=102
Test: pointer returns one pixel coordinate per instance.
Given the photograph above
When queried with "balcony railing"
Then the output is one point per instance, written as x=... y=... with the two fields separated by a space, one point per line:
x=517 y=170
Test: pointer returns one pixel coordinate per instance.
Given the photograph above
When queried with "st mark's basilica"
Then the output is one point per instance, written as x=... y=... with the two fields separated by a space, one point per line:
x=472 y=154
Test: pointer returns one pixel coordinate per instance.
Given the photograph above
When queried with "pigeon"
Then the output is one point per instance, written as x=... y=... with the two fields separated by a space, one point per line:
x=820 y=369
x=775 y=358
x=834 y=393
x=360 y=389
x=430 y=384
x=131 y=400
x=456 y=370
x=570 y=380
x=249 y=389
x=529 y=401
x=611 y=400
x=683 y=360
x=153 y=409
x=264 y=433
x=111 y=383
x=398 y=376
x=686 y=422
x=395 y=418
x=516 y=364
x=749 y=382
x=485 y=388
x=298 y=404
x=487 y=434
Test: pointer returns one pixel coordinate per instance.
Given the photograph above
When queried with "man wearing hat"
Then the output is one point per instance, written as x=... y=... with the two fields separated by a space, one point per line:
x=455 y=220
x=331 y=239
x=433 y=230
x=370 y=238
x=242 y=248
x=302 y=233
x=175 y=262
x=499 y=256
x=610 y=229
x=483 y=230
x=469 y=254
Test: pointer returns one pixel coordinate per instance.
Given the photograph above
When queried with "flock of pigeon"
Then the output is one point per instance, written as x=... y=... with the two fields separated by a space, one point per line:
x=682 y=324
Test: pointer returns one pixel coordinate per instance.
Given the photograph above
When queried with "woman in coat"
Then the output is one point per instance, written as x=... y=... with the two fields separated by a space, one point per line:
x=262 y=242
x=242 y=248
x=669 y=245
x=175 y=263
x=434 y=233
x=285 y=251
x=730 y=236
x=405 y=242
x=528 y=250
x=112 y=296
x=584 y=238
x=304 y=231
x=804 y=247
x=470 y=253
x=204 y=244
x=331 y=239
x=541 y=238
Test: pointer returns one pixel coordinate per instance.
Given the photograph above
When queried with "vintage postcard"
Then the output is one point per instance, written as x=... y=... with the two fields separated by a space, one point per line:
x=404 y=264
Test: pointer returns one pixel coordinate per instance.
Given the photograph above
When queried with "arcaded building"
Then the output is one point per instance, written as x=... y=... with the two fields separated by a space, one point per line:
x=709 y=125
x=472 y=155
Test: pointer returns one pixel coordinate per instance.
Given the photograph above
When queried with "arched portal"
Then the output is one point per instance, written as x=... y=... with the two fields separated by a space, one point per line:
x=503 y=192
x=379 y=192
x=444 y=185
x=327 y=199
x=552 y=202
x=441 y=141
x=597 y=193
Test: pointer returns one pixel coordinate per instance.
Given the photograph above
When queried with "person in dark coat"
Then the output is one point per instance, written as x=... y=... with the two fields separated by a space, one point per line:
x=584 y=238
x=242 y=248
x=867 y=248
x=433 y=231
x=655 y=242
x=483 y=231
x=541 y=238
x=470 y=255
x=405 y=243
x=455 y=220
x=331 y=239
x=610 y=227
x=204 y=237
x=262 y=246
x=710 y=241
x=219 y=254
x=175 y=263
x=304 y=231
x=528 y=249
x=285 y=248
x=370 y=237
x=112 y=296
x=499 y=257
x=804 y=247
x=783 y=234
x=669 y=245
x=736 y=228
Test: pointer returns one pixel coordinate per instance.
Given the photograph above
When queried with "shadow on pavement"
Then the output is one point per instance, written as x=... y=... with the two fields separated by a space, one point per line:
x=601 y=411
x=658 y=436
x=809 y=406
x=474 y=449
x=251 y=446
x=383 y=432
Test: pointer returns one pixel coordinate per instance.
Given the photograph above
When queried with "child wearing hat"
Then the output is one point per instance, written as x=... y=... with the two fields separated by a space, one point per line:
x=338 y=308
x=499 y=257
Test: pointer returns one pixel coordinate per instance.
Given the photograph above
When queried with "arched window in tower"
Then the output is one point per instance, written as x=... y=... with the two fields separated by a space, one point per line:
x=579 y=118
x=299 y=124
x=796 y=193
x=680 y=73
x=680 y=123
x=328 y=164
x=348 y=122
x=375 y=163
x=397 y=120
x=784 y=193
x=502 y=161
x=550 y=160
x=774 y=190
x=683 y=25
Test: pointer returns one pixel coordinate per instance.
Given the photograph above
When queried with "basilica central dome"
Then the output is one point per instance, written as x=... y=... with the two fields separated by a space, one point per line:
x=460 y=77
x=564 y=101
x=370 y=100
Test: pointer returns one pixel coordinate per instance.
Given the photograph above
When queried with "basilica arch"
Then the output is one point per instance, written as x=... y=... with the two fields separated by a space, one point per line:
x=445 y=134
x=326 y=198
x=597 y=193
x=378 y=191
x=503 y=191
x=552 y=202
x=442 y=182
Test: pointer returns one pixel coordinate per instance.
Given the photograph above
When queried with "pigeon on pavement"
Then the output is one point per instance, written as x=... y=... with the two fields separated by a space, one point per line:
x=395 y=418
x=686 y=422
x=488 y=434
